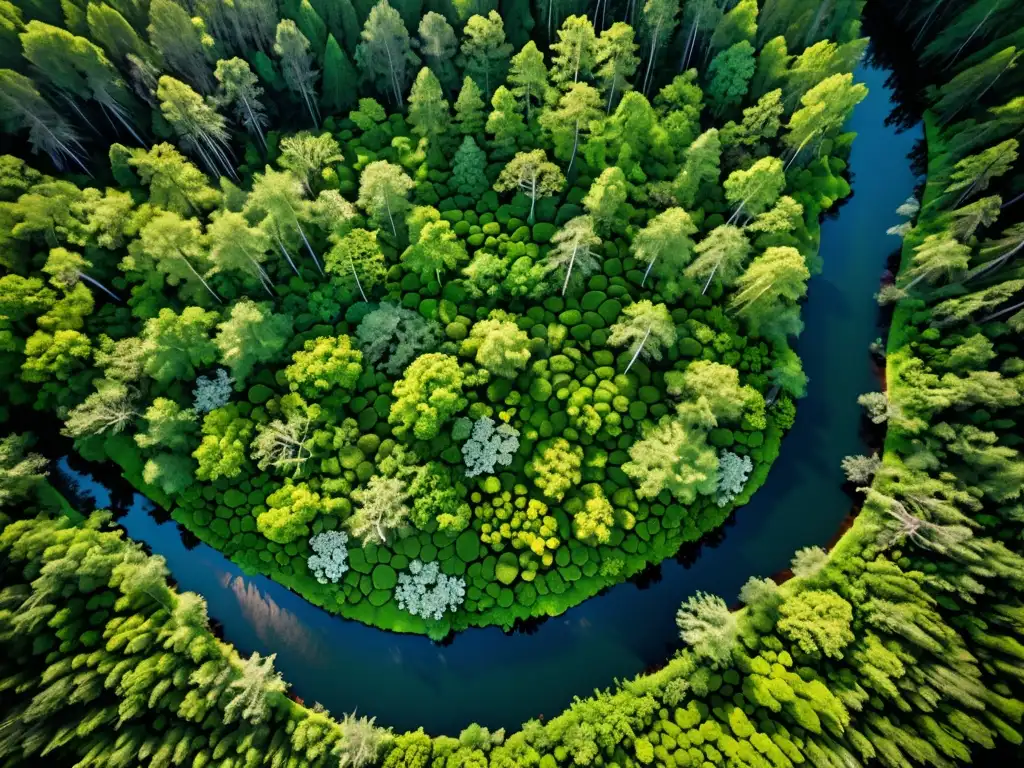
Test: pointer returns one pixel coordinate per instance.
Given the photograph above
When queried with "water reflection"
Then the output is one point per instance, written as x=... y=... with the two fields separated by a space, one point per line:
x=273 y=625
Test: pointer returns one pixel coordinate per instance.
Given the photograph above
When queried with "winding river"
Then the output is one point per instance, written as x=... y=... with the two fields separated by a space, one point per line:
x=496 y=680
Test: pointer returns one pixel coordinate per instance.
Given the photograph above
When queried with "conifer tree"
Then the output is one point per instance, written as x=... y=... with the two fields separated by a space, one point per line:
x=385 y=56
x=576 y=109
x=336 y=93
x=529 y=77
x=469 y=108
x=428 y=110
x=505 y=123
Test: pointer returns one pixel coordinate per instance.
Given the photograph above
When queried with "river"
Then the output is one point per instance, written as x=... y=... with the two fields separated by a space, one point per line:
x=497 y=680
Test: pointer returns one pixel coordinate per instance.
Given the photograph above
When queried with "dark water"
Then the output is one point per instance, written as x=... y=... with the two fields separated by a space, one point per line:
x=500 y=681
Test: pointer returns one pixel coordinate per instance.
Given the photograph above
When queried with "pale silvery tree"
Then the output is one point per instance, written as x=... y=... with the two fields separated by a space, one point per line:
x=489 y=445
x=329 y=560
x=212 y=393
x=426 y=592
x=733 y=471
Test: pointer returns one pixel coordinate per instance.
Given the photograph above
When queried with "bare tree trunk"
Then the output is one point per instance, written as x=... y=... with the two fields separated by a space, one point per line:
x=199 y=277
x=575 y=143
x=638 y=349
x=568 y=272
x=1001 y=312
x=99 y=285
x=254 y=122
x=286 y=255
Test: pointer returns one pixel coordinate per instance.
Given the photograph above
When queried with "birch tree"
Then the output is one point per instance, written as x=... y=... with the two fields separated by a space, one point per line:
x=665 y=242
x=240 y=90
x=200 y=129
x=275 y=202
x=616 y=61
x=66 y=268
x=181 y=43
x=384 y=193
x=722 y=253
x=292 y=48
x=175 y=247
x=237 y=247
x=644 y=327
x=937 y=258
x=78 y=71
x=575 y=53
x=22 y=108
x=574 y=249
x=438 y=45
x=307 y=156
x=767 y=292
x=485 y=51
x=825 y=109
x=532 y=174
x=576 y=109
x=659 y=22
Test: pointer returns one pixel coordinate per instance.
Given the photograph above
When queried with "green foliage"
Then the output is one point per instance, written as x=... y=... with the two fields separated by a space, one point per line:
x=323 y=365
x=427 y=395
x=498 y=344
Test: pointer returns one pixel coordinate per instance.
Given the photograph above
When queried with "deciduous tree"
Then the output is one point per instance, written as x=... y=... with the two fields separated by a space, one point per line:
x=485 y=51
x=385 y=56
x=644 y=327
x=532 y=174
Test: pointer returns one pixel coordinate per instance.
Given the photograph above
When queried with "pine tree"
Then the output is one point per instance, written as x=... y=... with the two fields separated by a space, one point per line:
x=337 y=95
x=616 y=61
x=505 y=123
x=469 y=109
x=428 y=110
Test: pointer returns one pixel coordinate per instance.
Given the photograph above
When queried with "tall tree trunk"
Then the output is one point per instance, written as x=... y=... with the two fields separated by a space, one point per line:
x=287 y=255
x=255 y=124
x=568 y=271
x=199 y=277
x=639 y=348
x=101 y=286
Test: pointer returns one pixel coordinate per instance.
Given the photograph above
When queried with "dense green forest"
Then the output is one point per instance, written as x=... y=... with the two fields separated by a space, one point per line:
x=492 y=331
x=495 y=336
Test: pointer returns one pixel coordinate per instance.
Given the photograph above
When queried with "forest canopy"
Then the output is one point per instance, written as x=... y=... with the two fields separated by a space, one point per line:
x=454 y=314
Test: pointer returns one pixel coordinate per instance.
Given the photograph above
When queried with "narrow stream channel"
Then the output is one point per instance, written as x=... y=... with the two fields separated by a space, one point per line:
x=500 y=681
